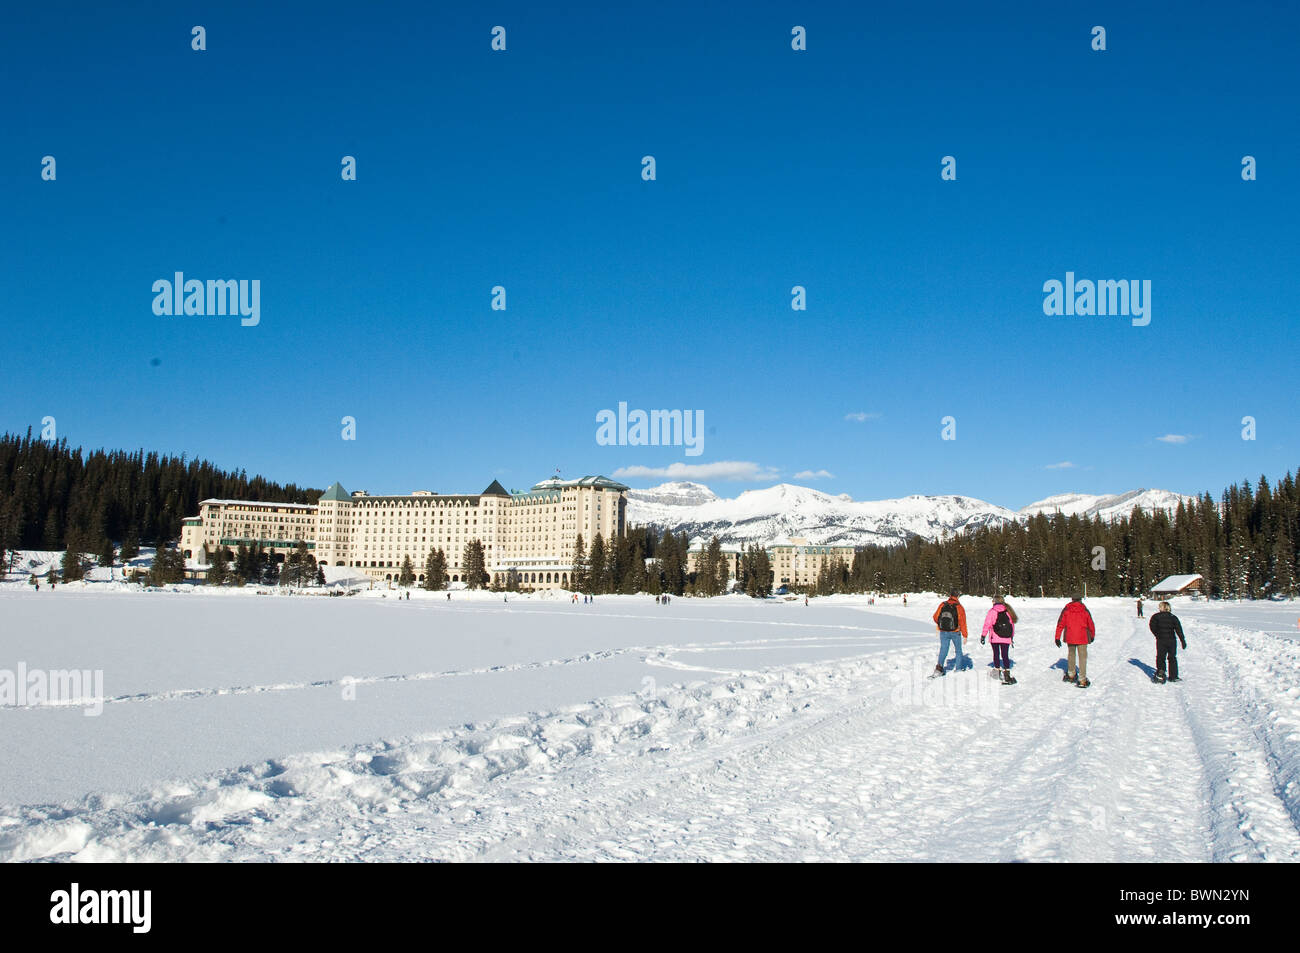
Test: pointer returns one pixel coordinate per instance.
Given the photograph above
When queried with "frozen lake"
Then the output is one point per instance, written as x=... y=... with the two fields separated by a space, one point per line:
x=198 y=682
x=246 y=727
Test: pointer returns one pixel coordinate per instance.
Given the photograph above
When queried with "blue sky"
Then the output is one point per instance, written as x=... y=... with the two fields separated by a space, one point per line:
x=775 y=168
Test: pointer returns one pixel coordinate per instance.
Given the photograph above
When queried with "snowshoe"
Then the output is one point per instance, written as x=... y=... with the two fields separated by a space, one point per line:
x=1157 y=679
x=1083 y=683
x=1175 y=679
x=938 y=671
x=1067 y=677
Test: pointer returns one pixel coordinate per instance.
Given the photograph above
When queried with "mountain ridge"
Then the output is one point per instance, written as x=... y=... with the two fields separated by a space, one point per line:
x=785 y=510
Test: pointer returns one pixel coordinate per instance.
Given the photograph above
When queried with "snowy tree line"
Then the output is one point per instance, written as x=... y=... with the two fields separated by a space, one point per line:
x=53 y=497
x=254 y=564
x=1244 y=544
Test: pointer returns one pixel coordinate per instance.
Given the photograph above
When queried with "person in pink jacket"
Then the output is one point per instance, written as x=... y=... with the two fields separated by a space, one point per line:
x=1000 y=629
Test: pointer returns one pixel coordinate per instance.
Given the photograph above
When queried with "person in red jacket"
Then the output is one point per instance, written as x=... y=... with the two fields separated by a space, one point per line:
x=1075 y=621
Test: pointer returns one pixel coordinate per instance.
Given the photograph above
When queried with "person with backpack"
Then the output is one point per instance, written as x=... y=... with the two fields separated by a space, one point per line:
x=950 y=620
x=1000 y=630
x=1139 y=608
x=1166 y=628
x=1075 y=622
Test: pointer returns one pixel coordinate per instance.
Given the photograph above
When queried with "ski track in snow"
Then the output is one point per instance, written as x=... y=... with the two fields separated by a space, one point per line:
x=861 y=758
x=653 y=655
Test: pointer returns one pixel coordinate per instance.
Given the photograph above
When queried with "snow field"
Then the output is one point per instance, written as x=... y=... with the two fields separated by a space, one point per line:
x=712 y=730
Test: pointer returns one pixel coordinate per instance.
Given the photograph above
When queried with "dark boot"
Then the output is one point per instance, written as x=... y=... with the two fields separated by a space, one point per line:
x=1007 y=678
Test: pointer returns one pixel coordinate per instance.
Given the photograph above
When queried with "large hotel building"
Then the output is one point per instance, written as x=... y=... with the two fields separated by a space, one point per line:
x=530 y=534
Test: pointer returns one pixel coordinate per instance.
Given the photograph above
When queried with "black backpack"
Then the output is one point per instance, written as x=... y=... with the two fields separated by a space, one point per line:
x=1002 y=625
x=948 y=617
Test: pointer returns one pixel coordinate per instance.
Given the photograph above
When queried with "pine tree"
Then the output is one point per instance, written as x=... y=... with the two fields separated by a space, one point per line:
x=218 y=568
x=596 y=564
x=10 y=536
x=705 y=575
x=479 y=570
x=475 y=563
x=722 y=572
x=654 y=582
x=671 y=556
x=763 y=568
x=714 y=568
x=1283 y=568
x=258 y=560
x=310 y=572
x=168 y=566
x=634 y=575
x=299 y=568
x=107 y=553
x=73 y=565
x=407 y=575
x=578 y=574
x=52 y=533
x=435 y=573
x=130 y=545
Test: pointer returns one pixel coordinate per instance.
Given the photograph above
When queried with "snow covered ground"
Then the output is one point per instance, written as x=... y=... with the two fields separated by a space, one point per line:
x=708 y=729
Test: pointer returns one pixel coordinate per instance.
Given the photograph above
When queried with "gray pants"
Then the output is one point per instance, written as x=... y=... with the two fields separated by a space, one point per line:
x=1082 y=652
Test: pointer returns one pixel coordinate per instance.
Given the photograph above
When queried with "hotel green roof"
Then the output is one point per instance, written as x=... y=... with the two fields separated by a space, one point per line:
x=335 y=493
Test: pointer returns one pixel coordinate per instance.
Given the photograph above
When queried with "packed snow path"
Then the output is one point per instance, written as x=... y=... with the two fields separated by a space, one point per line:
x=855 y=757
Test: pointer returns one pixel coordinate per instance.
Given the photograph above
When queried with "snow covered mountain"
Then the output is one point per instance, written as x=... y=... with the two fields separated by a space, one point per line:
x=681 y=493
x=784 y=511
x=1107 y=507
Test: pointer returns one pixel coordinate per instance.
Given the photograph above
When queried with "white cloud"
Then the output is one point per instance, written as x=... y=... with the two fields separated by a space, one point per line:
x=1174 y=438
x=1063 y=465
x=859 y=416
x=737 y=470
x=814 y=475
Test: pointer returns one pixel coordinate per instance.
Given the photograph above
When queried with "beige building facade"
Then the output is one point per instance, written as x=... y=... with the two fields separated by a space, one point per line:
x=731 y=556
x=528 y=535
x=798 y=562
x=794 y=563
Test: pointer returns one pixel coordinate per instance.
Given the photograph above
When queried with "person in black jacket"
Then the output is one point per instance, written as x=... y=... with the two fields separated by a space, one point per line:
x=1168 y=631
